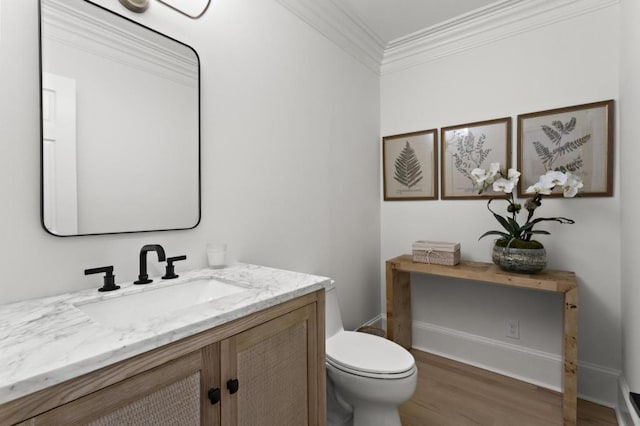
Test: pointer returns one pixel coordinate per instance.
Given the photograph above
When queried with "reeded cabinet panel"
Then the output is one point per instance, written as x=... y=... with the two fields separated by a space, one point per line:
x=275 y=365
x=178 y=403
x=168 y=394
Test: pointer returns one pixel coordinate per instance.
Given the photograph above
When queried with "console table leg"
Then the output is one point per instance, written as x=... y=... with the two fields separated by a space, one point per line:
x=399 y=306
x=570 y=353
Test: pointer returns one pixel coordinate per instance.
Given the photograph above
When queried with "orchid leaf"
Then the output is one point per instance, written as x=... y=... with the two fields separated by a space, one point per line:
x=500 y=233
x=539 y=232
x=505 y=224
x=526 y=226
x=514 y=226
x=562 y=220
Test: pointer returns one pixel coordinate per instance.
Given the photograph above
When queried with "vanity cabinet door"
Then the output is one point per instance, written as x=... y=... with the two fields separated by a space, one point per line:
x=270 y=372
x=173 y=393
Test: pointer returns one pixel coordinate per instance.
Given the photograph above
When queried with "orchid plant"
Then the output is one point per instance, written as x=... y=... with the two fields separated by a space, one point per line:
x=506 y=183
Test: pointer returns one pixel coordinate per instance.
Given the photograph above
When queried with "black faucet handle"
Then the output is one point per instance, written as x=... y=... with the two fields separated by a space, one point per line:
x=170 y=272
x=176 y=258
x=109 y=278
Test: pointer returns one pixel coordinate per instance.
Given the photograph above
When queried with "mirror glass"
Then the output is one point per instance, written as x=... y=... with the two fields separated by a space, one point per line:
x=120 y=124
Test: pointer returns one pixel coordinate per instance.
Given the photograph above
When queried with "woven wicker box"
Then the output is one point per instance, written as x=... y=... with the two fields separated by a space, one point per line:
x=436 y=252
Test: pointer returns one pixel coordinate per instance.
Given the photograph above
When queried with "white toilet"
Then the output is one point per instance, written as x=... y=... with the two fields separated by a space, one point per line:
x=368 y=376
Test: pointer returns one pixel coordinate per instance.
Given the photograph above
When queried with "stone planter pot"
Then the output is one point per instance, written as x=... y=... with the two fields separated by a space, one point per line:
x=521 y=261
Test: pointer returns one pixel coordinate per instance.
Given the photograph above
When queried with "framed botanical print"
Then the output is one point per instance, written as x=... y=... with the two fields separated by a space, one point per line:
x=410 y=166
x=469 y=146
x=576 y=139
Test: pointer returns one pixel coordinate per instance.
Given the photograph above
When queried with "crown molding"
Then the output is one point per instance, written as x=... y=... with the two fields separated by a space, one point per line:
x=81 y=30
x=497 y=21
x=333 y=20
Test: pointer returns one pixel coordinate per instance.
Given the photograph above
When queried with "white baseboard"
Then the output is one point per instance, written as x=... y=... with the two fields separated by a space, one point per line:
x=536 y=367
x=596 y=383
x=626 y=414
x=380 y=321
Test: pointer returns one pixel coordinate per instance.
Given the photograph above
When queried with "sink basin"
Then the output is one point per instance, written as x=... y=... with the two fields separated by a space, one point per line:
x=130 y=309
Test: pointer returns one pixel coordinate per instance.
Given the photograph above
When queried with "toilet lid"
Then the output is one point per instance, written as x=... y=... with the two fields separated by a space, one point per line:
x=368 y=353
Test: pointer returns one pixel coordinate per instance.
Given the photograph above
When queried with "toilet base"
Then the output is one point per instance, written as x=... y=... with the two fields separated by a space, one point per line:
x=365 y=415
x=339 y=413
x=371 y=402
x=374 y=414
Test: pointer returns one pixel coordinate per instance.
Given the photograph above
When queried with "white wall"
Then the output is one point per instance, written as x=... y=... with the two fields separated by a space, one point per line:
x=290 y=153
x=561 y=64
x=629 y=152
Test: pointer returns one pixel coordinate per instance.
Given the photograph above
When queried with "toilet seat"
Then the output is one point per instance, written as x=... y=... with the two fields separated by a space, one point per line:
x=376 y=376
x=369 y=356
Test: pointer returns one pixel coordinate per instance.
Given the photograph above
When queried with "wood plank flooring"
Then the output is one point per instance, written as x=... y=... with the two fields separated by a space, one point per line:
x=450 y=393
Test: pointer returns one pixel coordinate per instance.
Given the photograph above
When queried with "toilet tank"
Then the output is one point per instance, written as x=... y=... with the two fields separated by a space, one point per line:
x=333 y=319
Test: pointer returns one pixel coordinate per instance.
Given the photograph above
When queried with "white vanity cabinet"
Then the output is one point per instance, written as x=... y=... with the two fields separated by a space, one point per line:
x=275 y=356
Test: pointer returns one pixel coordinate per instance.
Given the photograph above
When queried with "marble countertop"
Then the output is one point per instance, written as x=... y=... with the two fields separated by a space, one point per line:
x=49 y=340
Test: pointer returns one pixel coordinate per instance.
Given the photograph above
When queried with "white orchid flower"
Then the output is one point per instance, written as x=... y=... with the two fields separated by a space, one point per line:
x=571 y=186
x=539 y=188
x=503 y=185
x=479 y=175
x=513 y=175
x=553 y=178
x=494 y=171
x=569 y=191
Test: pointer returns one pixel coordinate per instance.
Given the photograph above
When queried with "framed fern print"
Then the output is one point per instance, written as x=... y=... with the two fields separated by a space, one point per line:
x=410 y=166
x=469 y=146
x=576 y=139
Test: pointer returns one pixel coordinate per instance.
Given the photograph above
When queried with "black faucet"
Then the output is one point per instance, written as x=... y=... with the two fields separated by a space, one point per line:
x=143 y=278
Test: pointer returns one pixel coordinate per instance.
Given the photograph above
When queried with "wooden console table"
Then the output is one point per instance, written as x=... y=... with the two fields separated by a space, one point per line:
x=399 y=271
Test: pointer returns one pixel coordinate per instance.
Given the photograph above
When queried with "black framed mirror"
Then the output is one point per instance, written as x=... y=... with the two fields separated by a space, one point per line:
x=120 y=121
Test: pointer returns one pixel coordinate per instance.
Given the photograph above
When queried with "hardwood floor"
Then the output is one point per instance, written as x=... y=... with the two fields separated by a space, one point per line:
x=453 y=394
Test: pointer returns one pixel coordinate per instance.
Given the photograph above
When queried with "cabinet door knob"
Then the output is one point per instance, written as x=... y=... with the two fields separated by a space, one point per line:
x=214 y=395
x=233 y=385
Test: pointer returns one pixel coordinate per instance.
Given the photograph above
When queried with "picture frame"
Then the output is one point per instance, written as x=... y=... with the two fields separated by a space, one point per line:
x=410 y=166
x=469 y=146
x=576 y=139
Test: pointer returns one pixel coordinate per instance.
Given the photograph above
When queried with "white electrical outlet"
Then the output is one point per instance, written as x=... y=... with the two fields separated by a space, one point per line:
x=513 y=328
